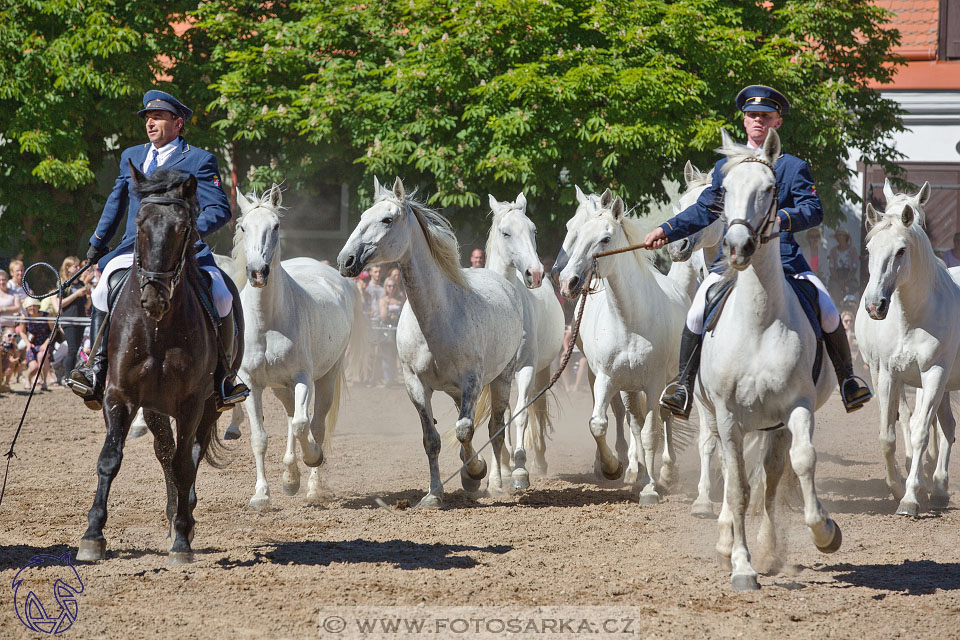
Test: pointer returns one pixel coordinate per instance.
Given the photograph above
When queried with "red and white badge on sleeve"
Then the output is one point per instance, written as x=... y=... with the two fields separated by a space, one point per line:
x=216 y=181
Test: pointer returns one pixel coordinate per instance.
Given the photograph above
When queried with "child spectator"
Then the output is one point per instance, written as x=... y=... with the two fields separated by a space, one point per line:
x=35 y=332
x=10 y=357
x=9 y=303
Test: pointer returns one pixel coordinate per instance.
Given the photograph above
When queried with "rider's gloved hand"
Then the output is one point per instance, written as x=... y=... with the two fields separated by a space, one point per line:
x=95 y=253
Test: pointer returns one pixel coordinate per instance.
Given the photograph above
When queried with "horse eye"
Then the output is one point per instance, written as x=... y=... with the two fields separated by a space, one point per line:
x=505 y=234
x=387 y=220
x=900 y=252
x=605 y=240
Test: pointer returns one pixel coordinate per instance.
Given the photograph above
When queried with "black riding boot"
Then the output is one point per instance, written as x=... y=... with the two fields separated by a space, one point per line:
x=678 y=396
x=853 y=390
x=230 y=390
x=89 y=379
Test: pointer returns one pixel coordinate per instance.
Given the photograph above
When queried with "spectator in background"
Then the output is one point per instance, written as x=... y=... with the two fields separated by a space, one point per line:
x=9 y=358
x=843 y=265
x=390 y=305
x=477 y=259
x=9 y=303
x=15 y=285
x=76 y=304
x=35 y=332
x=952 y=257
x=397 y=278
x=374 y=291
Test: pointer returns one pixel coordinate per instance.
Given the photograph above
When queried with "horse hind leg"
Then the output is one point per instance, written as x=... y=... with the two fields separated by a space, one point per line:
x=625 y=445
x=164 y=447
x=608 y=466
x=636 y=407
x=236 y=419
x=496 y=426
x=940 y=494
x=186 y=459
x=520 y=477
x=703 y=505
x=93 y=546
x=890 y=396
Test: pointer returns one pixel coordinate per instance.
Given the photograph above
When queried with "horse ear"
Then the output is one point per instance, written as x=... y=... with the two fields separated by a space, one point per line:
x=726 y=142
x=242 y=201
x=275 y=196
x=771 y=146
x=494 y=203
x=376 y=187
x=606 y=197
x=924 y=195
x=138 y=177
x=398 y=189
x=872 y=216
x=189 y=187
x=690 y=173
x=907 y=216
x=580 y=195
x=617 y=208
x=888 y=190
x=521 y=200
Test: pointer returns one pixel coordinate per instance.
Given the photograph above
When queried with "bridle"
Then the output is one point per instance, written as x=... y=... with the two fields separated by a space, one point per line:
x=165 y=280
x=763 y=234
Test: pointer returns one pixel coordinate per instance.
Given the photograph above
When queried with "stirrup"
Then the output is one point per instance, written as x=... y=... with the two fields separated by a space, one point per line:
x=239 y=393
x=852 y=404
x=668 y=400
x=80 y=385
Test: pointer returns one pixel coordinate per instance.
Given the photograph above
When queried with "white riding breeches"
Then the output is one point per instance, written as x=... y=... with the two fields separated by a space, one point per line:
x=100 y=297
x=829 y=315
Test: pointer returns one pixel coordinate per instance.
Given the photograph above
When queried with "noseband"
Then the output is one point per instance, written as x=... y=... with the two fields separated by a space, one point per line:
x=763 y=234
x=165 y=280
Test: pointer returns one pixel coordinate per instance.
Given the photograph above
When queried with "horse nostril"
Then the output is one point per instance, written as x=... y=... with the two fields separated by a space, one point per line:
x=350 y=261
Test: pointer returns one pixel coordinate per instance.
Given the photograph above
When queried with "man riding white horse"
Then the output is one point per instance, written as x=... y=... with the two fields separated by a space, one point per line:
x=799 y=208
x=164 y=118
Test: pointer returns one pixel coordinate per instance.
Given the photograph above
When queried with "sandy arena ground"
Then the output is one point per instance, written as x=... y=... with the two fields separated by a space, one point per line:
x=569 y=541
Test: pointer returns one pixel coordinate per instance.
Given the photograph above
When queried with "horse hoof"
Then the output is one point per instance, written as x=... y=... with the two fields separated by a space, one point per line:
x=520 y=480
x=649 y=497
x=724 y=562
x=92 y=550
x=668 y=476
x=292 y=487
x=744 y=583
x=939 y=501
x=137 y=431
x=630 y=477
x=313 y=463
x=908 y=509
x=259 y=503
x=834 y=544
x=616 y=475
x=470 y=485
x=180 y=557
x=232 y=433
x=540 y=467
x=430 y=501
x=703 y=510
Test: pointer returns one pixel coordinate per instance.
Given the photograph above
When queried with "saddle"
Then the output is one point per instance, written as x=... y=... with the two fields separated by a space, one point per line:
x=806 y=293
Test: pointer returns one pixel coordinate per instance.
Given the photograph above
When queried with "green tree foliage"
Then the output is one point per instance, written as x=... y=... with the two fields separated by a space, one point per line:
x=71 y=78
x=470 y=97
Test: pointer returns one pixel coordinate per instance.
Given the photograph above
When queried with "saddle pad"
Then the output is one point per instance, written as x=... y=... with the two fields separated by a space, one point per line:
x=806 y=293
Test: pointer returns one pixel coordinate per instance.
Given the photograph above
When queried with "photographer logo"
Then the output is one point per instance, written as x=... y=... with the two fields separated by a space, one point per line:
x=45 y=594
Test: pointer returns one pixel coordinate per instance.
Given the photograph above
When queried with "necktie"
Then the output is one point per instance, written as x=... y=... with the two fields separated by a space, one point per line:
x=153 y=162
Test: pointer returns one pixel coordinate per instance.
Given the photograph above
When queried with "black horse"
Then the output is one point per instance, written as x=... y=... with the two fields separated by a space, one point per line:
x=163 y=350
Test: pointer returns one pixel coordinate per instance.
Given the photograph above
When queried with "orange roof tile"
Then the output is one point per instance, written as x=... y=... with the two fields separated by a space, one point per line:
x=917 y=22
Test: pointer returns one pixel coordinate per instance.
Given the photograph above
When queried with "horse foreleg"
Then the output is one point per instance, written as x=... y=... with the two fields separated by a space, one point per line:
x=625 y=445
x=520 y=475
x=258 y=443
x=420 y=396
x=923 y=415
x=608 y=464
x=940 y=495
x=707 y=444
x=118 y=415
x=774 y=461
x=668 y=464
x=888 y=392
x=476 y=469
x=185 y=461
x=290 y=478
x=826 y=534
x=499 y=405
x=737 y=490
x=903 y=421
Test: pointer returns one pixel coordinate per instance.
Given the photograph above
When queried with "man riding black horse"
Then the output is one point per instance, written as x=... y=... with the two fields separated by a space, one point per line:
x=164 y=117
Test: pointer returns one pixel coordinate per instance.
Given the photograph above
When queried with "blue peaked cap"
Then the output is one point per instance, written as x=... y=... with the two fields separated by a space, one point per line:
x=155 y=100
x=757 y=97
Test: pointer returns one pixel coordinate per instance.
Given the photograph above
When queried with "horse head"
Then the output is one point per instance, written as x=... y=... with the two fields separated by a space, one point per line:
x=587 y=205
x=166 y=228
x=708 y=237
x=894 y=239
x=512 y=238
x=750 y=200
x=260 y=225
x=601 y=231
x=383 y=234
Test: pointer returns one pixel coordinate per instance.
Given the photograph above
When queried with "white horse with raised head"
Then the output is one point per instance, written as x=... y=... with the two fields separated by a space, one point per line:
x=757 y=364
x=512 y=252
x=908 y=334
x=630 y=332
x=459 y=331
x=299 y=317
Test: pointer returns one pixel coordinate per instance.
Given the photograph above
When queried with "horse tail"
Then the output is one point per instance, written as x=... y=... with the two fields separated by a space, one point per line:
x=334 y=412
x=542 y=423
x=218 y=455
x=358 y=349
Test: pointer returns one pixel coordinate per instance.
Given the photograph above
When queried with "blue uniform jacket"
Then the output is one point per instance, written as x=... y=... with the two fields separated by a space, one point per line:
x=214 y=206
x=799 y=209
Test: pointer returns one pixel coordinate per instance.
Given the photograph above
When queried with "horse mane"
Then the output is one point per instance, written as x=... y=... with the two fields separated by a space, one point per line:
x=736 y=154
x=161 y=181
x=437 y=231
x=635 y=230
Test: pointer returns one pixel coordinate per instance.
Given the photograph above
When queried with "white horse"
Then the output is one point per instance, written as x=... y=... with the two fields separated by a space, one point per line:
x=630 y=332
x=512 y=252
x=299 y=317
x=458 y=332
x=908 y=335
x=757 y=364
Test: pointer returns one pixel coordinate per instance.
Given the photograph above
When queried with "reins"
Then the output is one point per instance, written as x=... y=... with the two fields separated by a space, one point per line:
x=574 y=334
